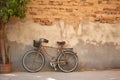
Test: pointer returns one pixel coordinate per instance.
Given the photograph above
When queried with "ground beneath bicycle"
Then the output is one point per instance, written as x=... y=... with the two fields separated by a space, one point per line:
x=85 y=75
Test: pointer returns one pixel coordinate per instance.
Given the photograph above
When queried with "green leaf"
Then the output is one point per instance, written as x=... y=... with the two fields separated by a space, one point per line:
x=21 y=1
x=12 y=8
x=1 y=13
x=5 y=18
x=10 y=12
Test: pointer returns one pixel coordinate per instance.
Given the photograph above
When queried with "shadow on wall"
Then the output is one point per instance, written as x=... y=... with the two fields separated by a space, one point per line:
x=17 y=51
x=91 y=57
x=103 y=56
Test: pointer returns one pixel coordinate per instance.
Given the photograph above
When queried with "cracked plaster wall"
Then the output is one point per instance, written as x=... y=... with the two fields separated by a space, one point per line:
x=97 y=44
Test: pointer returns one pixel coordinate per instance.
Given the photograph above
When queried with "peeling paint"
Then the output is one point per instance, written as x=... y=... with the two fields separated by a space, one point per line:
x=101 y=33
x=94 y=33
x=28 y=31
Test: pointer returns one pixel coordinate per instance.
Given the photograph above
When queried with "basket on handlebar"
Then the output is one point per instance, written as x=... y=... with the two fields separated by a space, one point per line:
x=36 y=43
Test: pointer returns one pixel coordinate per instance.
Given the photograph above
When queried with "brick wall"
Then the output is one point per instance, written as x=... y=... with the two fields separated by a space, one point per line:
x=46 y=12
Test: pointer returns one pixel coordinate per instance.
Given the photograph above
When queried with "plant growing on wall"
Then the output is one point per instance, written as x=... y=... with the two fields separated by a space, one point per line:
x=9 y=8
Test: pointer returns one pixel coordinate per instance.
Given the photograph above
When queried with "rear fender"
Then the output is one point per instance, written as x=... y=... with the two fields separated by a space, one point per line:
x=69 y=50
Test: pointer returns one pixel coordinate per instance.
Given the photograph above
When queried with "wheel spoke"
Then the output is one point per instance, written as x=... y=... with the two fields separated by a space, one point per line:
x=33 y=62
x=70 y=64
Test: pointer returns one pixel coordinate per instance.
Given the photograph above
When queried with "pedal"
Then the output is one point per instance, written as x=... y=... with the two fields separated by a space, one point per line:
x=55 y=68
x=52 y=64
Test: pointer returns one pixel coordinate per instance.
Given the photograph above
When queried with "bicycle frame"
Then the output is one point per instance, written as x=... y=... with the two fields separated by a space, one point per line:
x=44 y=51
x=37 y=57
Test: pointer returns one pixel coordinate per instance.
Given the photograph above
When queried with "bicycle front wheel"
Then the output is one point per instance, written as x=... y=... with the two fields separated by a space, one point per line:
x=33 y=61
x=68 y=62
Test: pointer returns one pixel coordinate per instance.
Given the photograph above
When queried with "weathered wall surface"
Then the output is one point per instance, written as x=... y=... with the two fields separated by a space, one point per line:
x=97 y=44
x=87 y=26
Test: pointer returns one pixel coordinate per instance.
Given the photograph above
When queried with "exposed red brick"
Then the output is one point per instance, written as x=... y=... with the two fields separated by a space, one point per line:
x=57 y=19
x=93 y=15
x=70 y=10
x=87 y=4
x=33 y=13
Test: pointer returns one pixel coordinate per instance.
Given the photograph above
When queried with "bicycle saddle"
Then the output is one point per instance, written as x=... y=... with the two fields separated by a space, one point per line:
x=60 y=42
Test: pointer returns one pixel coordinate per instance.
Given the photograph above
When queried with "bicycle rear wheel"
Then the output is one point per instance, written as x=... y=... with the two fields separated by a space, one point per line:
x=68 y=62
x=33 y=62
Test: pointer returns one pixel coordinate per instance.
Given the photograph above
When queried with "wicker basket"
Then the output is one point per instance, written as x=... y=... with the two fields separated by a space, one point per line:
x=36 y=43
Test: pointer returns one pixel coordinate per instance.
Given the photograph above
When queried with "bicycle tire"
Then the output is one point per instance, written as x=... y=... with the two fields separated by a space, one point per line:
x=71 y=64
x=32 y=65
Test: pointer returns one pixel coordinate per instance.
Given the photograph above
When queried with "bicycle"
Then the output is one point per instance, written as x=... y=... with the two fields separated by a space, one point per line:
x=34 y=60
